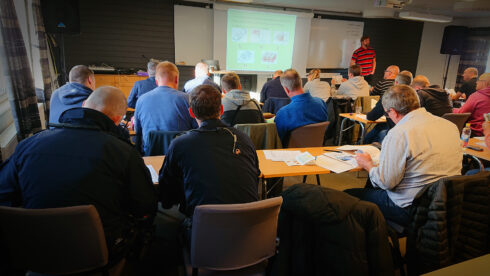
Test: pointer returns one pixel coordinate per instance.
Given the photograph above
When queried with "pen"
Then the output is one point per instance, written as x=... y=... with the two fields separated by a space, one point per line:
x=333 y=150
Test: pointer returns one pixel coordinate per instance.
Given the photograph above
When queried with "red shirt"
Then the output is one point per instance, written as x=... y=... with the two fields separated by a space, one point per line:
x=364 y=58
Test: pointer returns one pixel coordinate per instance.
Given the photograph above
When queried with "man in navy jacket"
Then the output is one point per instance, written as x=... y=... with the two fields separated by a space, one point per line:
x=143 y=86
x=73 y=93
x=84 y=161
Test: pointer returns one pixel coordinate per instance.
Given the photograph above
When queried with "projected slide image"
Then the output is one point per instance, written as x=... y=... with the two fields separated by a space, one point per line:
x=281 y=38
x=260 y=36
x=269 y=57
x=245 y=56
x=239 y=35
x=259 y=41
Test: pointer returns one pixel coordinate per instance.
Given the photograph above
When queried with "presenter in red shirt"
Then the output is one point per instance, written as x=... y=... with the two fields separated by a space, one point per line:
x=365 y=57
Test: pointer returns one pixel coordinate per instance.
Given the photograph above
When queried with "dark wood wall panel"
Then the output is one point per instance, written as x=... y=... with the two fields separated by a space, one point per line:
x=119 y=33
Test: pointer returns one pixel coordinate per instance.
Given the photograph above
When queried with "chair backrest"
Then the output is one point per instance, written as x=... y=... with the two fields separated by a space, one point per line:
x=54 y=241
x=366 y=103
x=159 y=142
x=273 y=104
x=263 y=135
x=234 y=236
x=459 y=119
x=308 y=136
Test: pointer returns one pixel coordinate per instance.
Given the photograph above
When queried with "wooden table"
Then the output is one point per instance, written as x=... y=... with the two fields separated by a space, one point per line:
x=268 y=168
x=155 y=161
x=271 y=169
x=485 y=154
x=354 y=118
x=476 y=266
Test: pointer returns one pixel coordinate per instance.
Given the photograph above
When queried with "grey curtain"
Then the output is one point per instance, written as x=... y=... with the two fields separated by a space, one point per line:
x=48 y=80
x=23 y=94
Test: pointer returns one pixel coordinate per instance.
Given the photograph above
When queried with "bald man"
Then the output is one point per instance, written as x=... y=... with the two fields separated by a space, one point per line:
x=470 y=76
x=73 y=93
x=273 y=88
x=432 y=97
x=477 y=104
x=163 y=108
x=84 y=162
x=388 y=81
x=201 y=73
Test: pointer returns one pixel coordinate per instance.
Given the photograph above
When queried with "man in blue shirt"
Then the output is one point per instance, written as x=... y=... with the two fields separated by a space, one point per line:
x=214 y=164
x=73 y=93
x=143 y=86
x=163 y=108
x=273 y=88
x=201 y=72
x=303 y=109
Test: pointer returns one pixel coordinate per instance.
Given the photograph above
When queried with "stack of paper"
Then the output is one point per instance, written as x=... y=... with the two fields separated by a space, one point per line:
x=281 y=155
x=333 y=164
x=372 y=151
x=154 y=175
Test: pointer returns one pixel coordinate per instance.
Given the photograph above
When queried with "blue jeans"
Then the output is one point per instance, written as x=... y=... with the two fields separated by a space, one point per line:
x=377 y=134
x=390 y=210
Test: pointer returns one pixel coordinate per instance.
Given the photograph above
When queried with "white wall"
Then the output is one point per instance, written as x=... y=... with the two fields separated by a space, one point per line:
x=431 y=63
x=191 y=25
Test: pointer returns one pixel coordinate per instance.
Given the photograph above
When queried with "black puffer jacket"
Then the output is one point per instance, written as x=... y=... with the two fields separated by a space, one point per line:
x=451 y=223
x=328 y=232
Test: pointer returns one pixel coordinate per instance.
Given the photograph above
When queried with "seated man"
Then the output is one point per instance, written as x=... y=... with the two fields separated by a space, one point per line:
x=477 y=104
x=388 y=80
x=470 y=76
x=303 y=109
x=143 y=86
x=273 y=88
x=419 y=150
x=163 y=108
x=73 y=93
x=434 y=99
x=380 y=130
x=84 y=162
x=355 y=86
x=238 y=107
x=201 y=77
x=213 y=164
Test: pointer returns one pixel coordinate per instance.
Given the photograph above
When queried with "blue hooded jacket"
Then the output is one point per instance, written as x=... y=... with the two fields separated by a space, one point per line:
x=68 y=96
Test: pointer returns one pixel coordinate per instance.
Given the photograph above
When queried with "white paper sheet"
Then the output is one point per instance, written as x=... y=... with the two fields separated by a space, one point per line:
x=332 y=164
x=154 y=175
x=343 y=157
x=481 y=138
x=281 y=155
x=373 y=151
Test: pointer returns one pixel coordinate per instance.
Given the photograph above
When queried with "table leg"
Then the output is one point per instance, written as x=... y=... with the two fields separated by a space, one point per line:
x=341 y=131
x=362 y=133
x=264 y=188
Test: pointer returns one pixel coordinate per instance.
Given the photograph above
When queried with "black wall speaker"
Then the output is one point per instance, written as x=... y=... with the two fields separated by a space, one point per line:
x=453 y=40
x=61 y=16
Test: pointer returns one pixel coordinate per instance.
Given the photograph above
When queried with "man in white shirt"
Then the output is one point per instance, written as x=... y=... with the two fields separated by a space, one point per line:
x=419 y=150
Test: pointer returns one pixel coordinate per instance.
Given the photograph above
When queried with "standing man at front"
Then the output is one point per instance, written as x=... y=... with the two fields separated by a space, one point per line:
x=163 y=108
x=366 y=58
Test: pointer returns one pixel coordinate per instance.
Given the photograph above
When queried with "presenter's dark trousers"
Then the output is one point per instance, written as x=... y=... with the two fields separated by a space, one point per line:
x=369 y=79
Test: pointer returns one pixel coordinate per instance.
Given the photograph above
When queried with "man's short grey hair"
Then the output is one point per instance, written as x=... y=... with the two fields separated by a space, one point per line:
x=404 y=77
x=152 y=67
x=108 y=100
x=291 y=80
x=402 y=98
x=80 y=74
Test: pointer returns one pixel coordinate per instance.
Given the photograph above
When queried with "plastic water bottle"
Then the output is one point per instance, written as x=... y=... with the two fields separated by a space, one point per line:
x=465 y=135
